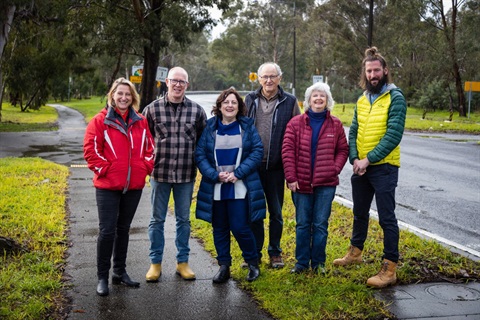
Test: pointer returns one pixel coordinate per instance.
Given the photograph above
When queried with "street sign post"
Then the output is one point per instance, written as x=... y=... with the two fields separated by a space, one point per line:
x=471 y=86
x=316 y=79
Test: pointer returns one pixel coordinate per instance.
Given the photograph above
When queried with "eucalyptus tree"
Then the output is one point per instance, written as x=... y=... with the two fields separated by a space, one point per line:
x=262 y=31
x=37 y=51
x=159 y=22
x=447 y=23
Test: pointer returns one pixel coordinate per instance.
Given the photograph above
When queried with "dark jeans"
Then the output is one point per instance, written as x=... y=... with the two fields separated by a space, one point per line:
x=273 y=183
x=379 y=181
x=232 y=215
x=115 y=215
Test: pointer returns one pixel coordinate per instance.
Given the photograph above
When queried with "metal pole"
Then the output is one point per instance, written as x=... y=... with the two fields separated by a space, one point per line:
x=370 y=25
x=469 y=100
x=294 y=47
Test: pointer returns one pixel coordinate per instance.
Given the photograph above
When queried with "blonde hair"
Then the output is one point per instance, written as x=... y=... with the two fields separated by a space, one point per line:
x=322 y=87
x=135 y=97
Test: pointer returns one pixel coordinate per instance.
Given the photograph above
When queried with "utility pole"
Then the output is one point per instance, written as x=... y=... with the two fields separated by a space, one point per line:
x=370 y=25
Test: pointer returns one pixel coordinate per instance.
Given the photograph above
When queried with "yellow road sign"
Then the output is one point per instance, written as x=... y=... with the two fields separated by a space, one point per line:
x=472 y=86
x=252 y=77
x=136 y=79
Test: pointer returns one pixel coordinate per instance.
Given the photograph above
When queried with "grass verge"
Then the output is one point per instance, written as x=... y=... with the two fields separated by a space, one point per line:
x=342 y=292
x=32 y=213
x=13 y=120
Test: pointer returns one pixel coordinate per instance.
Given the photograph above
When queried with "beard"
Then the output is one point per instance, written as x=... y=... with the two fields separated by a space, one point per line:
x=376 y=89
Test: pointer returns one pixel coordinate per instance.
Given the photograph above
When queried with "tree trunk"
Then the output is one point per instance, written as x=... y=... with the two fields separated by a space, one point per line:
x=450 y=36
x=8 y=13
x=116 y=70
x=150 y=65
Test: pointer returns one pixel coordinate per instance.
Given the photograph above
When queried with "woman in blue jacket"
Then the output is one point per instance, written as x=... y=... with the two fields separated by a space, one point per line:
x=230 y=196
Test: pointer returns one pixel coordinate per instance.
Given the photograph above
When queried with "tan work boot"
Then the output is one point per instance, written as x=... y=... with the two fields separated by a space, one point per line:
x=154 y=272
x=184 y=271
x=354 y=255
x=386 y=276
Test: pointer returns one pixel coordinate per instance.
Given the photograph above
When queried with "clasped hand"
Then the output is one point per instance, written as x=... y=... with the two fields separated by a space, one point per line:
x=226 y=177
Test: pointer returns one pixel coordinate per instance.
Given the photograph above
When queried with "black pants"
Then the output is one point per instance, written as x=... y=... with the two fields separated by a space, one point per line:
x=115 y=215
x=273 y=183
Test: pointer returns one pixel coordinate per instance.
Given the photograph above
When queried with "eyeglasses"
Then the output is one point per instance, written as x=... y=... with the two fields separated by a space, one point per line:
x=269 y=77
x=174 y=82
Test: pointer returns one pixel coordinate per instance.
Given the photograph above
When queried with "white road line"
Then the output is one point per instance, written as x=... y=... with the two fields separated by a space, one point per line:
x=416 y=230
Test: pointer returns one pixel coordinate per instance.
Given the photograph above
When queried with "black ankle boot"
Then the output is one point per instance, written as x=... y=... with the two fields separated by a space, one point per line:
x=125 y=279
x=253 y=272
x=102 y=287
x=222 y=275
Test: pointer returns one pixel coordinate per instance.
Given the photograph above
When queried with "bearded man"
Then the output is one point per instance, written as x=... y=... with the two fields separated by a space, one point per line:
x=374 y=138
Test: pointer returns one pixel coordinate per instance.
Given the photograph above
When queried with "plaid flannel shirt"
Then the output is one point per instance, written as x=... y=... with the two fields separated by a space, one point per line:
x=176 y=133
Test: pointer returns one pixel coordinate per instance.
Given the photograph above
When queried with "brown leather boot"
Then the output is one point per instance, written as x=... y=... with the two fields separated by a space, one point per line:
x=354 y=255
x=386 y=276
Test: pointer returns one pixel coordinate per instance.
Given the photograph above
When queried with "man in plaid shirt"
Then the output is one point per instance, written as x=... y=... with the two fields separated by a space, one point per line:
x=176 y=123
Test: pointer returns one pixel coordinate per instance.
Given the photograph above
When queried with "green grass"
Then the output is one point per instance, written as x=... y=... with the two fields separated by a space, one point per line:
x=33 y=215
x=88 y=107
x=437 y=121
x=13 y=120
x=341 y=293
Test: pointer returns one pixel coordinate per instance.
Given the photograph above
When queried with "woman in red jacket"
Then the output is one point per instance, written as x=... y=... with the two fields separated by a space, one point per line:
x=314 y=152
x=118 y=148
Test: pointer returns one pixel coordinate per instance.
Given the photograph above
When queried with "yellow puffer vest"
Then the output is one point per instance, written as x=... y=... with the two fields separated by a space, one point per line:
x=372 y=125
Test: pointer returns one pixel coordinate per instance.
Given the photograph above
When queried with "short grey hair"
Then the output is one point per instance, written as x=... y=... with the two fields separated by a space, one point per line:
x=318 y=86
x=277 y=67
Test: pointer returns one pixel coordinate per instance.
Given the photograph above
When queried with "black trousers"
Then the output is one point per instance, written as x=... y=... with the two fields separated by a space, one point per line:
x=115 y=214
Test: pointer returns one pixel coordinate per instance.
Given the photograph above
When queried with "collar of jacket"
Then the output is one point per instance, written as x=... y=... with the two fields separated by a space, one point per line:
x=306 y=118
x=243 y=120
x=280 y=93
x=112 y=114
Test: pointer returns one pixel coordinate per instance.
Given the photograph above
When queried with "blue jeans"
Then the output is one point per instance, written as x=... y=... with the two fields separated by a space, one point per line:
x=273 y=183
x=182 y=197
x=232 y=215
x=115 y=214
x=312 y=214
x=381 y=181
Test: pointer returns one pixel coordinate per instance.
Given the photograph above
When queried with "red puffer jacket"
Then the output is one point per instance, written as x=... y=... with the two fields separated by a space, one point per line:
x=120 y=156
x=331 y=154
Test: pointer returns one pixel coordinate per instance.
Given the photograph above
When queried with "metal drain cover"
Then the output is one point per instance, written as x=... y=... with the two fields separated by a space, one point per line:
x=453 y=293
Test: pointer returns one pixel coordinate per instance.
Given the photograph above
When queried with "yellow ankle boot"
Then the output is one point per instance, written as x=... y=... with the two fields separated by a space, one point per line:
x=154 y=272
x=184 y=271
x=386 y=276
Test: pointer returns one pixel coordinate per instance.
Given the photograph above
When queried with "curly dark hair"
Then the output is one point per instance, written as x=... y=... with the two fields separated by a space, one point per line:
x=242 y=109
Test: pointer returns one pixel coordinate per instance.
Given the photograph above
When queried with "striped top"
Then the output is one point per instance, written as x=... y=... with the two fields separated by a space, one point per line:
x=228 y=154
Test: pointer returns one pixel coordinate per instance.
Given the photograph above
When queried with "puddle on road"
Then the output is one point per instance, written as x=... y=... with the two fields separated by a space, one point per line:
x=41 y=149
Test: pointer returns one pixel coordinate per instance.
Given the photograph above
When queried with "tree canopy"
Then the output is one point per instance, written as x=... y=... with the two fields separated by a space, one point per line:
x=78 y=48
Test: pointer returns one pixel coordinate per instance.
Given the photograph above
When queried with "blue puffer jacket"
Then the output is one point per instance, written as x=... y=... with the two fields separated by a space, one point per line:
x=252 y=153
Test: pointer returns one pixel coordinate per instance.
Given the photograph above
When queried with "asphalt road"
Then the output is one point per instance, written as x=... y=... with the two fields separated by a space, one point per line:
x=438 y=193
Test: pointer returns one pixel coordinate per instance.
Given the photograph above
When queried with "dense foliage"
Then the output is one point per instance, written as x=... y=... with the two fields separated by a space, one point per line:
x=77 y=48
